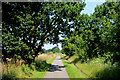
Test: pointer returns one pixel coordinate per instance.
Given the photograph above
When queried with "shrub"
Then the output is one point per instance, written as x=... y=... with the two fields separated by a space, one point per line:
x=108 y=73
x=12 y=75
x=41 y=65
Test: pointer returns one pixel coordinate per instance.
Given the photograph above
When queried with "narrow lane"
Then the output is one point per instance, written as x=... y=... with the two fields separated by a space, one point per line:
x=57 y=70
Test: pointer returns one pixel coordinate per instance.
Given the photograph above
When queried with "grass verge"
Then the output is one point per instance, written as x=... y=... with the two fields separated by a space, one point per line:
x=97 y=69
x=72 y=71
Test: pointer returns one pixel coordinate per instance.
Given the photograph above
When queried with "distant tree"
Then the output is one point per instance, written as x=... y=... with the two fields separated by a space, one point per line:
x=55 y=49
x=43 y=51
x=49 y=50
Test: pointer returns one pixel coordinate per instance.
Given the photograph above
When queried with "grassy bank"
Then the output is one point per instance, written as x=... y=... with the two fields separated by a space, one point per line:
x=96 y=68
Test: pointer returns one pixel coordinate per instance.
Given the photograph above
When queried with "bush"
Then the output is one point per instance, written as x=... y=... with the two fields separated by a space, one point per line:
x=41 y=65
x=109 y=73
x=27 y=69
x=12 y=75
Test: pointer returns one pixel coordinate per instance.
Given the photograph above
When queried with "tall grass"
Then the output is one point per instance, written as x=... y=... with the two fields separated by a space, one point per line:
x=13 y=71
x=45 y=57
x=97 y=68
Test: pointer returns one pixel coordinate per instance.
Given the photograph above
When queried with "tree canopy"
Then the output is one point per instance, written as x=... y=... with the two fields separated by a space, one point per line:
x=96 y=35
x=27 y=26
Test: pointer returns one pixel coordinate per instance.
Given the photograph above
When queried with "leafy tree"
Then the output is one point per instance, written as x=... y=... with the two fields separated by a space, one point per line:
x=98 y=33
x=55 y=49
x=27 y=26
x=110 y=27
x=72 y=46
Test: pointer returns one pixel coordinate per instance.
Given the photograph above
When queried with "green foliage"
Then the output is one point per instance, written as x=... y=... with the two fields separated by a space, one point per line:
x=6 y=77
x=96 y=35
x=42 y=65
x=56 y=49
x=27 y=26
x=110 y=30
x=109 y=73
x=26 y=69
x=13 y=49
x=72 y=45
x=12 y=75
x=23 y=67
x=32 y=66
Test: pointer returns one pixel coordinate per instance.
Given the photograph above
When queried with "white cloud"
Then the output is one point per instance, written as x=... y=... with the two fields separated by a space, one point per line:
x=50 y=46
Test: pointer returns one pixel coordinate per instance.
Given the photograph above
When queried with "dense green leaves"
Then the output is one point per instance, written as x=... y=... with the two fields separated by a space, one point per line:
x=98 y=34
x=27 y=26
x=56 y=49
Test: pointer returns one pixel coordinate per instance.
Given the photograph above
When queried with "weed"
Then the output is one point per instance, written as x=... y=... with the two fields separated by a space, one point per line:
x=23 y=67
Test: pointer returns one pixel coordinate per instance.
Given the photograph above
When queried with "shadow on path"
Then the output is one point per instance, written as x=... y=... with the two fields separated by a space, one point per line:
x=55 y=68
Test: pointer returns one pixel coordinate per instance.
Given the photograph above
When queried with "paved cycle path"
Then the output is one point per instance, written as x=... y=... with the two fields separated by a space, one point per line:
x=57 y=70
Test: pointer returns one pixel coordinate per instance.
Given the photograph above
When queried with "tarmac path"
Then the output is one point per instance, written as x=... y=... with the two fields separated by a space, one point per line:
x=57 y=70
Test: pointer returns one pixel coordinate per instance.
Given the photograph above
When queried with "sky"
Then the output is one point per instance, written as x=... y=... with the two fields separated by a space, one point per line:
x=89 y=9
